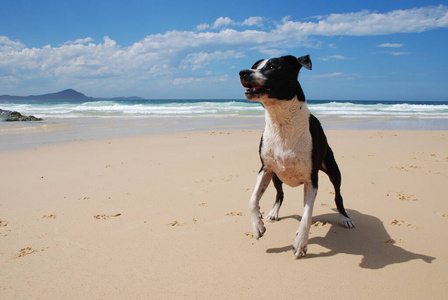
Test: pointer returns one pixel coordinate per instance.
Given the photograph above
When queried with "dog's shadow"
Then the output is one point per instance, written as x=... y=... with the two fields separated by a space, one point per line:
x=368 y=239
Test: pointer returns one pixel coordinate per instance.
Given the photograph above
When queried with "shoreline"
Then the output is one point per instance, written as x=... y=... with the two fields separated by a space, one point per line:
x=26 y=135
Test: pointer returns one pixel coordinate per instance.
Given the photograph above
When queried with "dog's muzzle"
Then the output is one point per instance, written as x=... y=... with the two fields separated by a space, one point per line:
x=253 y=89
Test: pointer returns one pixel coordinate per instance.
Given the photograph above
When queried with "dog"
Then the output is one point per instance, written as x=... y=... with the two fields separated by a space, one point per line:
x=293 y=146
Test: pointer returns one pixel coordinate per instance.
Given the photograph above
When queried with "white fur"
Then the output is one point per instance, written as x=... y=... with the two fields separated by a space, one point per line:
x=301 y=241
x=286 y=151
x=263 y=180
x=287 y=143
x=273 y=214
x=262 y=64
x=257 y=75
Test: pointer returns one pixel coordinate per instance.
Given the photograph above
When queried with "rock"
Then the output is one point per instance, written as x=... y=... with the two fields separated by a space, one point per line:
x=11 y=116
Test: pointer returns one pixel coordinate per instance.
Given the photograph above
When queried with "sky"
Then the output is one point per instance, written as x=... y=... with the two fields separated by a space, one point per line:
x=165 y=49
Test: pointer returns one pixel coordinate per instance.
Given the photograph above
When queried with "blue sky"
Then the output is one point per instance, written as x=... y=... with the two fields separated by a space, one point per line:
x=361 y=50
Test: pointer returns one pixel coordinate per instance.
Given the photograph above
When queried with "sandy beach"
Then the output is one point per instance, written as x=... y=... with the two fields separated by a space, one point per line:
x=166 y=217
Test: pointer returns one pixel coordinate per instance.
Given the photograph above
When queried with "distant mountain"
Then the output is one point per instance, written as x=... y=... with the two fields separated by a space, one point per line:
x=69 y=94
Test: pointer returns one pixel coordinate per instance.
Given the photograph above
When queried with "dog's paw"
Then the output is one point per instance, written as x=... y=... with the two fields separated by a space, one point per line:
x=299 y=252
x=300 y=245
x=259 y=230
x=258 y=226
x=347 y=222
x=272 y=215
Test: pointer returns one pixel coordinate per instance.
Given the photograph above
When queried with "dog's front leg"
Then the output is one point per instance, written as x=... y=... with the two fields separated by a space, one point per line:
x=301 y=240
x=263 y=180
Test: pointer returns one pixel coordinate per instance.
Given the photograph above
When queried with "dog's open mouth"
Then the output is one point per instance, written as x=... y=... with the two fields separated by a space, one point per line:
x=255 y=89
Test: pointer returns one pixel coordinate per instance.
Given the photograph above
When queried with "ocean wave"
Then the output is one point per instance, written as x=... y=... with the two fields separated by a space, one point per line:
x=349 y=109
x=219 y=108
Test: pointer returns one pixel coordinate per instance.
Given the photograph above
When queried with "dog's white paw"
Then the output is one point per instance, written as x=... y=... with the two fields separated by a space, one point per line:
x=300 y=245
x=299 y=252
x=347 y=222
x=258 y=226
x=272 y=215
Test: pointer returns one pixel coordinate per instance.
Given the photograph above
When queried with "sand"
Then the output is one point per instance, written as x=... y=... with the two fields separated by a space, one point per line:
x=166 y=216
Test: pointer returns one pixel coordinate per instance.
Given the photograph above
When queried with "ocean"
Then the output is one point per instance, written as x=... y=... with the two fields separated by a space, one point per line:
x=221 y=109
x=72 y=121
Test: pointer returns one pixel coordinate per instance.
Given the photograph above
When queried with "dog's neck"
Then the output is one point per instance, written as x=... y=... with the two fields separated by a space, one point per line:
x=286 y=117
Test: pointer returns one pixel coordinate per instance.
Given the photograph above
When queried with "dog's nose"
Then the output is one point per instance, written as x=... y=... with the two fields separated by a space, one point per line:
x=243 y=73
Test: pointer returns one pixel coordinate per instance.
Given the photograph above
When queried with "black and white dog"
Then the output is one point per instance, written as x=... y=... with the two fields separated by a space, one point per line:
x=293 y=147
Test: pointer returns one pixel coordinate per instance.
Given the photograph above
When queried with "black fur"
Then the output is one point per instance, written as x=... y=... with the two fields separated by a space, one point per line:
x=278 y=70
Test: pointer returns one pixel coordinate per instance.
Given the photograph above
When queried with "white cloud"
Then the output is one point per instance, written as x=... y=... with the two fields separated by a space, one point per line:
x=398 y=53
x=340 y=76
x=253 y=21
x=201 y=59
x=226 y=22
x=7 y=45
x=202 y=27
x=331 y=75
x=366 y=23
x=222 y=22
x=391 y=45
x=272 y=52
x=165 y=56
x=337 y=57
x=188 y=80
x=205 y=79
x=80 y=41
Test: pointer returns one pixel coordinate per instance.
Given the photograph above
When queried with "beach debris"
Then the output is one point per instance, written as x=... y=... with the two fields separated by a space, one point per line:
x=400 y=223
x=405 y=197
x=234 y=214
x=3 y=230
x=321 y=223
x=400 y=168
x=176 y=223
x=219 y=133
x=249 y=234
x=105 y=217
x=49 y=217
x=27 y=251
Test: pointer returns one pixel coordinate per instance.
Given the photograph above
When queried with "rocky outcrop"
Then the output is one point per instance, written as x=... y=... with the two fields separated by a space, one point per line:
x=10 y=116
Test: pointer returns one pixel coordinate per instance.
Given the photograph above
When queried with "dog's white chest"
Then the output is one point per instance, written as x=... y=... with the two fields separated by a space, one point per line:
x=287 y=145
x=291 y=164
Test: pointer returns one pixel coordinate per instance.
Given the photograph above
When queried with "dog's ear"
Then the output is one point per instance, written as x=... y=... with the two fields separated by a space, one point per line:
x=305 y=61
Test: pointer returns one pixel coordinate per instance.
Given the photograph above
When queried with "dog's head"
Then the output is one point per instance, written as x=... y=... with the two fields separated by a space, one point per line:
x=275 y=78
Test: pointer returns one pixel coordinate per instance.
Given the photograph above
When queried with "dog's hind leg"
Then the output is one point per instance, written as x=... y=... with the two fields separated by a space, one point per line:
x=330 y=167
x=278 y=184
x=263 y=179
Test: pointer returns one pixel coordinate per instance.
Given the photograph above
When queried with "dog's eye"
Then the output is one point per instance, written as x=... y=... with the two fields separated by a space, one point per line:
x=272 y=68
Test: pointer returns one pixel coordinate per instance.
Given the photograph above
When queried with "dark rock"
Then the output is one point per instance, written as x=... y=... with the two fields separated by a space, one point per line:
x=11 y=116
